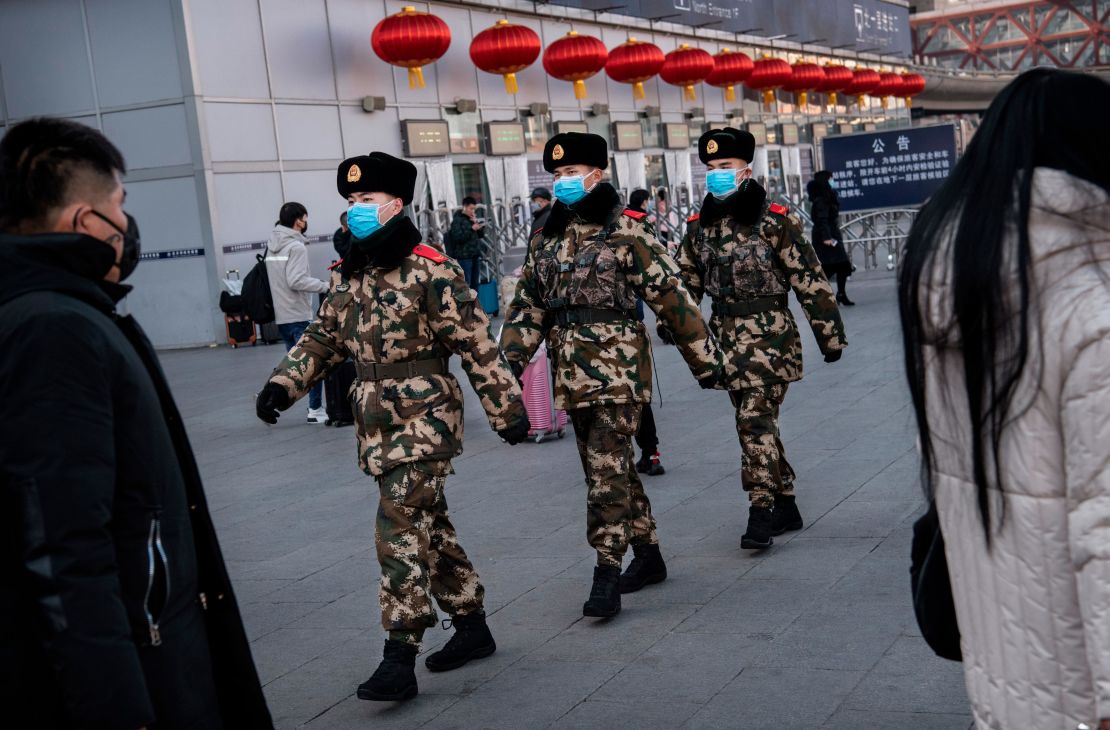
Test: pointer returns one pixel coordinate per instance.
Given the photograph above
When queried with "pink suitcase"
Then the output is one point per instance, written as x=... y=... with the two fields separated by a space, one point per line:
x=539 y=400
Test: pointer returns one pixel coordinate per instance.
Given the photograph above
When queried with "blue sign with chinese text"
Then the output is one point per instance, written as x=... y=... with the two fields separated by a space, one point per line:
x=891 y=169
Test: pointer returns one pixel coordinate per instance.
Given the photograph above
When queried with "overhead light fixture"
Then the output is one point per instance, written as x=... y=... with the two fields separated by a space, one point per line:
x=538 y=109
x=695 y=112
x=599 y=109
x=373 y=104
x=650 y=111
x=464 y=106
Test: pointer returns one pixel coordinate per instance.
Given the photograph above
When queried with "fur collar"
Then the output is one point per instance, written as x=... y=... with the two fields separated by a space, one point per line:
x=385 y=249
x=744 y=206
x=600 y=206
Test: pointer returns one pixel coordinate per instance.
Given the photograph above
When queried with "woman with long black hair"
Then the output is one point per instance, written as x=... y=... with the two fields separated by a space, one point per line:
x=1005 y=302
x=827 y=239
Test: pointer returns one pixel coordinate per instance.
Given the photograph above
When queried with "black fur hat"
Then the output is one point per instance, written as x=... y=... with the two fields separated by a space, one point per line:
x=575 y=148
x=376 y=172
x=719 y=144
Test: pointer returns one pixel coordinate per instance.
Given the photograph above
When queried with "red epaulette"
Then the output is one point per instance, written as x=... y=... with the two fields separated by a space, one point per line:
x=636 y=214
x=336 y=265
x=694 y=217
x=429 y=253
x=779 y=209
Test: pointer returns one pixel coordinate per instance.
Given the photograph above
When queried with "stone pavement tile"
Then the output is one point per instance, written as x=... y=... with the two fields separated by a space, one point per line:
x=862 y=519
x=683 y=668
x=872 y=720
x=283 y=650
x=773 y=699
x=621 y=638
x=693 y=579
x=248 y=590
x=356 y=610
x=305 y=559
x=824 y=639
x=756 y=607
x=910 y=678
x=556 y=603
x=344 y=577
x=534 y=694
x=805 y=558
x=263 y=616
x=643 y=714
x=355 y=714
x=877 y=580
x=514 y=644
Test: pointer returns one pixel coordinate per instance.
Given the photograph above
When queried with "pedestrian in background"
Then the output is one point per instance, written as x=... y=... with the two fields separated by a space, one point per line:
x=541 y=208
x=116 y=610
x=464 y=240
x=1005 y=302
x=401 y=309
x=826 y=237
x=341 y=239
x=665 y=220
x=293 y=287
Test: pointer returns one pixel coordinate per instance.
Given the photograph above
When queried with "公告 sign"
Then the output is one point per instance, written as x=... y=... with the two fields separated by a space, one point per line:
x=891 y=169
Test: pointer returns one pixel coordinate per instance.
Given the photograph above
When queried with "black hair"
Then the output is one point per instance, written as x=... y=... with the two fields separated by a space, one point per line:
x=468 y=200
x=637 y=199
x=343 y=217
x=290 y=213
x=661 y=193
x=975 y=228
x=42 y=159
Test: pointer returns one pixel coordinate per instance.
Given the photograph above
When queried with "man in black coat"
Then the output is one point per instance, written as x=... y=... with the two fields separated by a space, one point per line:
x=115 y=606
x=827 y=239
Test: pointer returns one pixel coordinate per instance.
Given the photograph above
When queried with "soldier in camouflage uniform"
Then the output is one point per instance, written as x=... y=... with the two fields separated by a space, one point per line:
x=400 y=309
x=578 y=289
x=747 y=254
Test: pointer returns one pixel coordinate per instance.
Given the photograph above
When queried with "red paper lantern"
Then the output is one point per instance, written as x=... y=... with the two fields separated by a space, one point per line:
x=505 y=49
x=912 y=85
x=890 y=84
x=837 y=78
x=729 y=69
x=769 y=74
x=864 y=80
x=686 y=66
x=634 y=62
x=411 y=39
x=805 y=77
x=575 y=58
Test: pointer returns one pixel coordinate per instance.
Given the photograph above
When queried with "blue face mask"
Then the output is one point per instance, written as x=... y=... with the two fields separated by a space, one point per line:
x=722 y=183
x=832 y=183
x=569 y=190
x=362 y=219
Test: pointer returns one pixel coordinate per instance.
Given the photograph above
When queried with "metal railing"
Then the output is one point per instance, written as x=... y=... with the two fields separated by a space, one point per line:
x=875 y=236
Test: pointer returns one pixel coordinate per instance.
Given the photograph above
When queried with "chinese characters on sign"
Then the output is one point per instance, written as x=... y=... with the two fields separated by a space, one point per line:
x=901 y=167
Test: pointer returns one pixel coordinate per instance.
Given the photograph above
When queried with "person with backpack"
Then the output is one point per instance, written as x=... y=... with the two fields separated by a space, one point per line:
x=293 y=288
x=464 y=240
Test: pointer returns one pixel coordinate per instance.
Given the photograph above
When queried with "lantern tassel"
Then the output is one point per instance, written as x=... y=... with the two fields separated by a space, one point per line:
x=510 y=84
x=832 y=98
x=802 y=99
x=691 y=95
x=638 y=90
x=730 y=93
x=579 y=89
x=886 y=100
x=909 y=102
x=768 y=96
x=860 y=100
x=416 y=77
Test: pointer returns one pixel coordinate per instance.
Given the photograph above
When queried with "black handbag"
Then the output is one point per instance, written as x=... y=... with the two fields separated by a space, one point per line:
x=932 y=588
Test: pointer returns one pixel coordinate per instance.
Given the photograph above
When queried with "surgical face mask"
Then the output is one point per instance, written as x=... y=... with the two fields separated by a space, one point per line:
x=832 y=183
x=569 y=190
x=363 y=219
x=722 y=183
x=132 y=245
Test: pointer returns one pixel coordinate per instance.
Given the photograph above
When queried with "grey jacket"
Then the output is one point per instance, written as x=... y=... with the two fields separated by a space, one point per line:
x=291 y=284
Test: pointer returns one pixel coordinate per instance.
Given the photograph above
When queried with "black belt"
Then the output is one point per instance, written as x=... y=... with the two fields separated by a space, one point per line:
x=371 y=371
x=587 y=315
x=751 y=306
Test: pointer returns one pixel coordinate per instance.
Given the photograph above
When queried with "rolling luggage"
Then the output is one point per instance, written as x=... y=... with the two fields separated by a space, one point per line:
x=240 y=329
x=269 y=333
x=487 y=297
x=337 y=401
x=539 y=399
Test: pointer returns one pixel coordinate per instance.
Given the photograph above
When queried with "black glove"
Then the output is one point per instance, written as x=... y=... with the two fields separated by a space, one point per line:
x=711 y=381
x=517 y=432
x=518 y=370
x=833 y=355
x=664 y=333
x=271 y=399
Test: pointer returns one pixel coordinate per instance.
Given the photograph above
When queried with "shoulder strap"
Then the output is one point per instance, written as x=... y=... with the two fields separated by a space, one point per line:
x=429 y=253
x=635 y=214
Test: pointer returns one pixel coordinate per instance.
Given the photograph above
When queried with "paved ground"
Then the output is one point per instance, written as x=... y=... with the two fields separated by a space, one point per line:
x=817 y=632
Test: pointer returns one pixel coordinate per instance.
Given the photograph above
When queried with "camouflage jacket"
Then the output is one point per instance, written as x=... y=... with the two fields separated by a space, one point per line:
x=421 y=309
x=732 y=262
x=594 y=257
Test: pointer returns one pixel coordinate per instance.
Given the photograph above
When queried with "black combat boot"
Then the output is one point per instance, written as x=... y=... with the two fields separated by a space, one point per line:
x=786 y=517
x=605 y=595
x=472 y=640
x=758 y=536
x=647 y=567
x=650 y=464
x=395 y=677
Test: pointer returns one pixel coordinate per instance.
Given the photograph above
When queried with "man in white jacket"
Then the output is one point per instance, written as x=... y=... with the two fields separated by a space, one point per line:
x=293 y=288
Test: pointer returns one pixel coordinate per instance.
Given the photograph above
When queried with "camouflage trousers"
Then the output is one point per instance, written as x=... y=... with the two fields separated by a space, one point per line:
x=765 y=472
x=418 y=551
x=617 y=509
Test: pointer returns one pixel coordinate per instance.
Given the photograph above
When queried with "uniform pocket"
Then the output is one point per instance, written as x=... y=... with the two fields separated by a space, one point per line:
x=402 y=326
x=605 y=362
x=421 y=419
